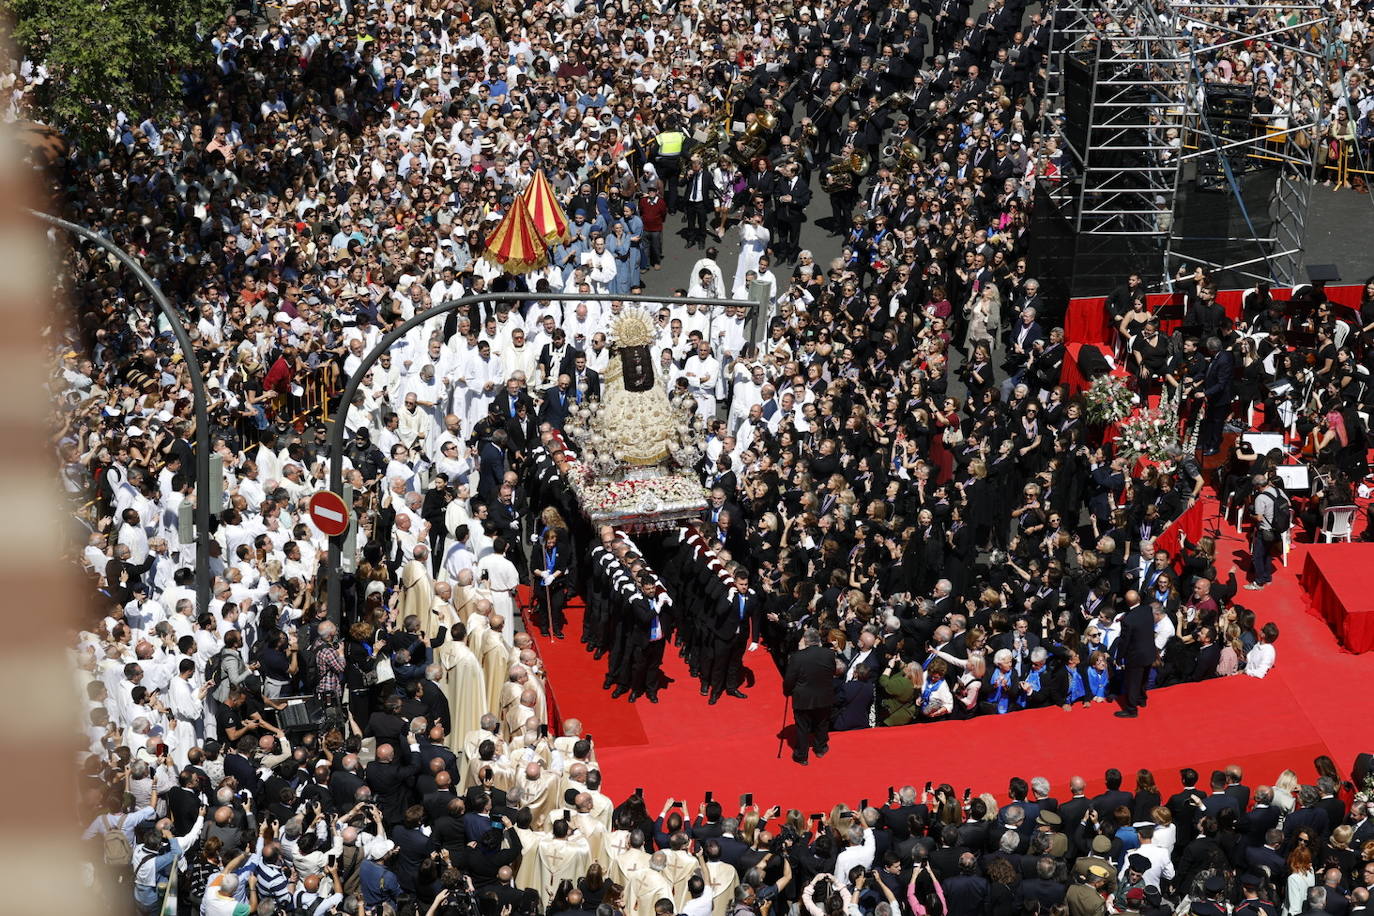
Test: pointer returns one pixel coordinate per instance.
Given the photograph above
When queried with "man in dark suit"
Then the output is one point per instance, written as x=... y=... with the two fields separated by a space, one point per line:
x=1076 y=808
x=511 y=397
x=810 y=682
x=558 y=403
x=344 y=783
x=1308 y=814
x=736 y=628
x=902 y=807
x=1113 y=798
x=1262 y=818
x=1183 y=805
x=967 y=892
x=1219 y=800
x=1268 y=856
x=792 y=196
x=1333 y=806
x=586 y=383
x=1135 y=649
x=492 y=451
x=391 y=781
x=698 y=199
x=1216 y=392
x=1208 y=655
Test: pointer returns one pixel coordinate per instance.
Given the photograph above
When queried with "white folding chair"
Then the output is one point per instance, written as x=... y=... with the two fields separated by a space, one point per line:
x=1338 y=523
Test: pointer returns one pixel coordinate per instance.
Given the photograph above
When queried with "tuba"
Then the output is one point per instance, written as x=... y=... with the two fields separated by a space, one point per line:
x=756 y=137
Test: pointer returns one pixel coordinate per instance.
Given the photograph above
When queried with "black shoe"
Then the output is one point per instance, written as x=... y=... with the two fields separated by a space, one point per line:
x=821 y=751
x=715 y=698
x=1126 y=714
x=800 y=761
x=736 y=693
x=558 y=634
x=598 y=654
x=619 y=692
x=606 y=684
x=635 y=695
x=705 y=691
x=653 y=696
x=543 y=632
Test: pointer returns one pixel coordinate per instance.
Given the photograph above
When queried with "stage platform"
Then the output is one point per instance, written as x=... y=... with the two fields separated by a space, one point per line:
x=682 y=746
x=1336 y=577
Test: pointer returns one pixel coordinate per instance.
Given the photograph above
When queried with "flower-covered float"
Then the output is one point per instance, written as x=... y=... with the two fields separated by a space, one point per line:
x=633 y=452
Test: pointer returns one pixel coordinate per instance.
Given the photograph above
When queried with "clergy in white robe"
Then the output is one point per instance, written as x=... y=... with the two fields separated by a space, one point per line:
x=417 y=591
x=187 y=708
x=494 y=661
x=463 y=684
x=502 y=580
x=702 y=371
x=484 y=377
x=753 y=241
x=563 y=856
x=537 y=790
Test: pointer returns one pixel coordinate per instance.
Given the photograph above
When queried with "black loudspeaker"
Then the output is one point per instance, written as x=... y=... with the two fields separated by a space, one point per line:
x=637 y=368
x=1091 y=363
x=301 y=714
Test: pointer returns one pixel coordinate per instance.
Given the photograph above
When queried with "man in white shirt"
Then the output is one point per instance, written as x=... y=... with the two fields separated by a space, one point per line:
x=1164 y=627
x=702 y=371
x=600 y=264
x=1161 y=866
x=459 y=556
x=858 y=852
x=1261 y=658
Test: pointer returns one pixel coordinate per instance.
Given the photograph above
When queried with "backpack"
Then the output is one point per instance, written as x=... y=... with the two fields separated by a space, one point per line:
x=310 y=665
x=214 y=668
x=117 y=850
x=1283 y=514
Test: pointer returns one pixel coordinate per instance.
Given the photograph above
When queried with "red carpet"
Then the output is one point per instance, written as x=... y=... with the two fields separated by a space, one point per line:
x=682 y=746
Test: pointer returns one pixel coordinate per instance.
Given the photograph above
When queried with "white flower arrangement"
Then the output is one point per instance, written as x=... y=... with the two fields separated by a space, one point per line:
x=1109 y=400
x=1152 y=434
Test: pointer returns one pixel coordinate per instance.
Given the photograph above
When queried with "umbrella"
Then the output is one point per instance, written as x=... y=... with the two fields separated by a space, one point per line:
x=549 y=218
x=515 y=245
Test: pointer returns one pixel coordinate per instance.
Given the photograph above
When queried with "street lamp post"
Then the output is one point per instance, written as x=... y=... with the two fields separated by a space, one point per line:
x=334 y=594
x=200 y=402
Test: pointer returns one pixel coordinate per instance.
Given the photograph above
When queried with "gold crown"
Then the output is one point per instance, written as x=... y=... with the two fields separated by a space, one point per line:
x=633 y=328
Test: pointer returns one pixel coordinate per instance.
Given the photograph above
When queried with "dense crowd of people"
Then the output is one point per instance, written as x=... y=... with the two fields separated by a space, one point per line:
x=907 y=511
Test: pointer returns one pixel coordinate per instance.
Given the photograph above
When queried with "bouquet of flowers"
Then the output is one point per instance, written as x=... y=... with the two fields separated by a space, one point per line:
x=1108 y=400
x=1152 y=434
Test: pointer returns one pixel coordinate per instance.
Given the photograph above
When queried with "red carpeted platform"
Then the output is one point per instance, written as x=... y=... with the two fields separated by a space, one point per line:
x=1335 y=577
x=682 y=746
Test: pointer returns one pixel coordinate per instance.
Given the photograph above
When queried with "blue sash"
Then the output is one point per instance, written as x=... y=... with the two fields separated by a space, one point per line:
x=1000 y=680
x=1075 y=685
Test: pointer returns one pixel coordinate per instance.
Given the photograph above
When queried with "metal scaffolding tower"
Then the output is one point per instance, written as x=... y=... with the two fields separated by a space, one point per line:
x=1282 y=143
x=1133 y=95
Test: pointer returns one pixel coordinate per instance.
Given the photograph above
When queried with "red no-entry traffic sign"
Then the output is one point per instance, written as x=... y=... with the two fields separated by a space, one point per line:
x=329 y=513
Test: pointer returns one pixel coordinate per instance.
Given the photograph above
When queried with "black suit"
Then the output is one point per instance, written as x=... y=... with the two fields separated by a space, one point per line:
x=592 y=379
x=1136 y=650
x=810 y=682
x=551 y=599
x=391 y=785
x=701 y=185
x=737 y=624
x=1216 y=388
x=558 y=403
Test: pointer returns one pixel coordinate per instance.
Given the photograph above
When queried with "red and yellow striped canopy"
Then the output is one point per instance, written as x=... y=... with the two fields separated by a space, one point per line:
x=515 y=245
x=549 y=219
